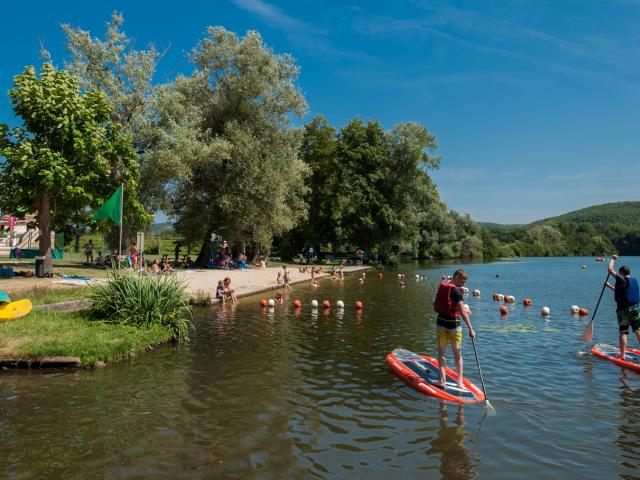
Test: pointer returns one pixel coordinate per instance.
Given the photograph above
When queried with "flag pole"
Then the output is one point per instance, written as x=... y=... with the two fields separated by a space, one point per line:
x=120 y=241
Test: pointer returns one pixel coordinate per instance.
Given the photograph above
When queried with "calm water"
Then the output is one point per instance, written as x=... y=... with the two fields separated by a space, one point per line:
x=280 y=394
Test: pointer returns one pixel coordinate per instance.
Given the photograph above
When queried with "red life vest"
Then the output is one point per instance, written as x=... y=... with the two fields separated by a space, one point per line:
x=443 y=304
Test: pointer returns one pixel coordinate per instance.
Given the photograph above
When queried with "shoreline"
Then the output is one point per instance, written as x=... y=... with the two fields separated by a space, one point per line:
x=198 y=282
x=251 y=281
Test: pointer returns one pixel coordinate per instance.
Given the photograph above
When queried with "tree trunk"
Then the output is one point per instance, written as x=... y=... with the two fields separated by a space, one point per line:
x=255 y=253
x=77 y=247
x=205 y=251
x=44 y=223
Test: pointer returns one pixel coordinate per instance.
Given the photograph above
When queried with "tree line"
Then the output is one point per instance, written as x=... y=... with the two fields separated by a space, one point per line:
x=224 y=149
x=220 y=150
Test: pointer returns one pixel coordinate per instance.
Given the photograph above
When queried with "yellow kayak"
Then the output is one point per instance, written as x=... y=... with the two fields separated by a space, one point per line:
x=13 y=310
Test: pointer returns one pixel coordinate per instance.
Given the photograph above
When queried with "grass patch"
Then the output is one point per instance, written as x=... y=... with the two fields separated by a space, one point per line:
x=49 y=333
x=47 y=295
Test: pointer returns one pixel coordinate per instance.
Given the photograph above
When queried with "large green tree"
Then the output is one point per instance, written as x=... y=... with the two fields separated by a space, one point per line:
x=227 y=130
x=61 y=160
x=125 y=75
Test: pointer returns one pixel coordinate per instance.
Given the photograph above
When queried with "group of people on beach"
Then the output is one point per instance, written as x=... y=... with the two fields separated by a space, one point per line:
x=134 y=260
x=226 y=261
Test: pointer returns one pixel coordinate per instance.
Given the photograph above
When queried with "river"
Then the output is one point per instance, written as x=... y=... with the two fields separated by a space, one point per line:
x=285 y=394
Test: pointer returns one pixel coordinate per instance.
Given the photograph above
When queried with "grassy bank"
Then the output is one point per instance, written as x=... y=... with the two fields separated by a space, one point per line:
x=47 y=295
x=48 y=333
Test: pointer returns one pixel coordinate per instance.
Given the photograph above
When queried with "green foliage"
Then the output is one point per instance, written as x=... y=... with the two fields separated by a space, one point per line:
x=60 y=162
x=144 y=301
x=594 y=231
x=124 y=75
x=224 y=144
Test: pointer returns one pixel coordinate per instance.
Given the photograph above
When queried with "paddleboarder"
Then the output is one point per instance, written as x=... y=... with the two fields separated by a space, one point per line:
x=627 y=297
x=450 y=307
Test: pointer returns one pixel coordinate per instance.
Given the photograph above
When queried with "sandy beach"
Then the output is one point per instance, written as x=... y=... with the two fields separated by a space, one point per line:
x=250 y=281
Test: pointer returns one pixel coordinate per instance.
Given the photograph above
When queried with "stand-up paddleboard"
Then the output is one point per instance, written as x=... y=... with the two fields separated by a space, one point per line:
x=13 y=310
x=420 y=371
x=611 y=353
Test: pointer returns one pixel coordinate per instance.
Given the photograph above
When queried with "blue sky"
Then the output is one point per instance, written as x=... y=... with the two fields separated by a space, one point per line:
x=535 y=104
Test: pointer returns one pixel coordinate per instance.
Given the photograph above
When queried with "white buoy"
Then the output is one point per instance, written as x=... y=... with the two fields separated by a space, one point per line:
x=510 y=299
x=476 y=293
x=464 y=290
x=500 y=297
x=545 y=311
x=340 y=304
x=272 y=302
x=417 y=277
x=314 y=303
x=575 y=309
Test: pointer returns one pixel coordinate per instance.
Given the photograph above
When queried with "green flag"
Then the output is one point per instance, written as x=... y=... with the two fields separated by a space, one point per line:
x=111 y=208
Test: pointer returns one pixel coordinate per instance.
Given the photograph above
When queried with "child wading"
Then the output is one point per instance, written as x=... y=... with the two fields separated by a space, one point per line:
x=627 y=297
x=450 y=307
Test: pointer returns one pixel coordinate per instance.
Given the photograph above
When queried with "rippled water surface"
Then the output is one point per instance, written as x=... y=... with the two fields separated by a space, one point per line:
x=263 y=393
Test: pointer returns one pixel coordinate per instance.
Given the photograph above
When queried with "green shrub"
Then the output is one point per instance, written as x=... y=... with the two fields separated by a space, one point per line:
x=144 y=301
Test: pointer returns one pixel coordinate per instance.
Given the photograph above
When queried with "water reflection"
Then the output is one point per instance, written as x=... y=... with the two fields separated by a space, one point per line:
x=628 y=439
x=456 y=461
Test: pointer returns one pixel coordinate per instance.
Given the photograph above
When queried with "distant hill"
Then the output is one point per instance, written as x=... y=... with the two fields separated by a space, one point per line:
x=595 y=230
x=626 y=213
x=495 y=226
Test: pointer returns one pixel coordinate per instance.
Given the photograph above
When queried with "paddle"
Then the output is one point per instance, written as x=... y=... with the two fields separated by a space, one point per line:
x=587 y=335
x=489 y=410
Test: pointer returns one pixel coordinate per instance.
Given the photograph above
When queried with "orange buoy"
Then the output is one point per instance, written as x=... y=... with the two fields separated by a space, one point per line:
x=495 y=297
x=263 y=302
x=358 y=305
x=583 y=312
x=326 y=303
x=297 y=303
x=526 y=302
x=504 y=310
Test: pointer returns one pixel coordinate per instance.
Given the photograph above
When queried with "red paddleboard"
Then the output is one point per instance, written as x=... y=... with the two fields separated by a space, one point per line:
x=608 y=352
x=420 y=371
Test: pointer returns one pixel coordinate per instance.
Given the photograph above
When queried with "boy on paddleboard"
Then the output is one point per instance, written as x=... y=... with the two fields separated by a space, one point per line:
x=450 y=307
x=627 y=296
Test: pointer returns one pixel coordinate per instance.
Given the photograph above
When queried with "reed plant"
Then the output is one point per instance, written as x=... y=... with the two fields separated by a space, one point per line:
x=144 y=301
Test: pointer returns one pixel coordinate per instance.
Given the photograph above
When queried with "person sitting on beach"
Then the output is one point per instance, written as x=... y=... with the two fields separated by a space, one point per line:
x=166 y=266
x=100 y=260
x=241 y=261
x=154 y=267
x=189 y=262
x=263 y=264
x=220 y=293
x=229 y=291
x=279 y=278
